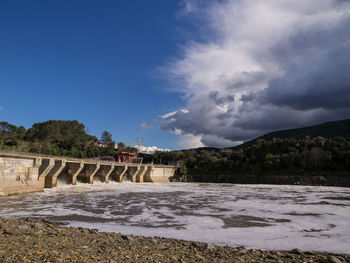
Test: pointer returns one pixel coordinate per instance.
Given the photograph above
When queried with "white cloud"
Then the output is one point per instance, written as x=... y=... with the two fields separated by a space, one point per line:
x=145 y=125
x=188 y=6
x=189 y=141
x=171 y=114
x=150 y=149
x=266 y=65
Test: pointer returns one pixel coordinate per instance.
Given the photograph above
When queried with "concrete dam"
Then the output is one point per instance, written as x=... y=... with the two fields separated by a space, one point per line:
x=25 y=172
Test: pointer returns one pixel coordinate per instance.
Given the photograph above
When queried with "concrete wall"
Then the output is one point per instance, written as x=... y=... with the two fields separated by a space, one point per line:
x=23 y=172
x=19 y=175
x=159 y=174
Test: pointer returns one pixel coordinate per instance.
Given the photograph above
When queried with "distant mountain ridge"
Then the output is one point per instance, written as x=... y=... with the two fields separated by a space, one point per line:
x=331 y=129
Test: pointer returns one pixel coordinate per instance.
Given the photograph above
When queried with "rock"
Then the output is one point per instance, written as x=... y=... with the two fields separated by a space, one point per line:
x=208 y=246
x=23 y=226
x=278 y=254
x=270 y=256
x=93 y=231
x=243 y=251
x=9 y=231
x=199 y=257
x=128 y=238
x=333 y=259
x=153 y=240
x=195 y=244
x=68 y=244
x=290 y=256
x=297 y=251
x=38 y=225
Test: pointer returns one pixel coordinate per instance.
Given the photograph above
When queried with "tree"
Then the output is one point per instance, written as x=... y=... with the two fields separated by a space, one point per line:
x=121 y=146
x=106 y=138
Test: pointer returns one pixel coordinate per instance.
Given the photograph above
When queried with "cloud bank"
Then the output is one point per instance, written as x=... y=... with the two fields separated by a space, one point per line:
x=150 y=149
x=262 y=65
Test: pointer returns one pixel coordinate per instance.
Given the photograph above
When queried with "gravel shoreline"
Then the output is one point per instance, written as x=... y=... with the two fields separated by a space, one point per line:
x=28 y=240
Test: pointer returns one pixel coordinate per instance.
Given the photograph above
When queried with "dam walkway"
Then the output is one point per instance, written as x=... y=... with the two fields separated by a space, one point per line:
x=25 y=172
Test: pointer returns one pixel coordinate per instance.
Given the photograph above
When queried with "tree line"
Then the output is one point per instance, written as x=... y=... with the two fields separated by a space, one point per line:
x=289 y=156
x=59 y=138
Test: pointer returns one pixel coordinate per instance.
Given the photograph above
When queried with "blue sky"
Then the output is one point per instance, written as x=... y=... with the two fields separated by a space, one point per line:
x=91 y=61
x=190 y=72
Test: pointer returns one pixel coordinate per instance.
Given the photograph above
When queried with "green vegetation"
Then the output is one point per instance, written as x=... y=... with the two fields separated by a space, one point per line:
x=308 y=155
x=316 y=150
x=60 y=138
x=106 y=138
x=290 y=156
x=327 y=130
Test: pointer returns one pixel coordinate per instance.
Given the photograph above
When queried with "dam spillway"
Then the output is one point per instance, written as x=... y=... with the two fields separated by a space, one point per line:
x=26 y=172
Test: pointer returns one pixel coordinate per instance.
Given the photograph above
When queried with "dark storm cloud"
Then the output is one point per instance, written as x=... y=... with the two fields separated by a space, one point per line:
x=246 y=79
x=220 y=100
x=272 y=65
x=322 y=83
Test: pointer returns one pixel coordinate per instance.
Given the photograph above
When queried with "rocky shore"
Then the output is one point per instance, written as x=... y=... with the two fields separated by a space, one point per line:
x=30 y=240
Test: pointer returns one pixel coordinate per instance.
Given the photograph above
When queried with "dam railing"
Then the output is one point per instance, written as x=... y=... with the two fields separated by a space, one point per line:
x=35 y=155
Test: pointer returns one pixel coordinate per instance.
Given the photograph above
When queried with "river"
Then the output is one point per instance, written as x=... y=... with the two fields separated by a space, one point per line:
x=255 y=216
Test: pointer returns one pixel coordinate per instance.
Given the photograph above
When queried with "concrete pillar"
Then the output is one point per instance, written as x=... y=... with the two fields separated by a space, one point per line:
x=122 y=174
x=33 y=172
x=147 y=175
x=109 y=173
x=44 y=169
x=88 y=172
x=106 y=180
x=141 y=172
x=140 y=177
x=51 y=177
x=119 y=173
x=91 y=176
x=134 y=175
x=75 y=170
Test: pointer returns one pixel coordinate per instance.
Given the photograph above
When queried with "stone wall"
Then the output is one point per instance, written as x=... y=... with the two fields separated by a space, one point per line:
x=13 y=169
x=18 y=175
x=160 y=174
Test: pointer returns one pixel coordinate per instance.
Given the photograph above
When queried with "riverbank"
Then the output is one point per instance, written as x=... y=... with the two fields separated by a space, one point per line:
x=342 y=180
x=30 y=240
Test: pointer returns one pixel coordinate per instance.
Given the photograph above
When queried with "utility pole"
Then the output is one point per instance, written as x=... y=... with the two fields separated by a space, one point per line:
x=139 y=141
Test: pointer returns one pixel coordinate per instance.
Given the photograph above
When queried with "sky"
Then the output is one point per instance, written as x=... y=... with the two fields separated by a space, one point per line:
x=179 y=73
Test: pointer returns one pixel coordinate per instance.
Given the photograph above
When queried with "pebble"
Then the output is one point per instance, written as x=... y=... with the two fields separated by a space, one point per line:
x=208 y=246
x=128 y=238
x=333 y=259
x=43 y=241
x=297 y=251
x=23 y=226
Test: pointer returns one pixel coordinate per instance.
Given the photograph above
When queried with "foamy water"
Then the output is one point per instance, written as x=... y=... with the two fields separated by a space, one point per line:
x=255 y=216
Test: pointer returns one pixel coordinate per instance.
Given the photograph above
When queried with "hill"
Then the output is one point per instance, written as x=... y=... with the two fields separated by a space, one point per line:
x=327 y=130
x=315 y=155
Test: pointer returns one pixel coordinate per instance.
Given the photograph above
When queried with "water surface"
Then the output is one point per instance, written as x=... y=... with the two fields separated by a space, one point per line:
x=255 y=216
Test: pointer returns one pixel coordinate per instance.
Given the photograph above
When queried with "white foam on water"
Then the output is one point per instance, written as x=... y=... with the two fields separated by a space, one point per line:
x=306 y=217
